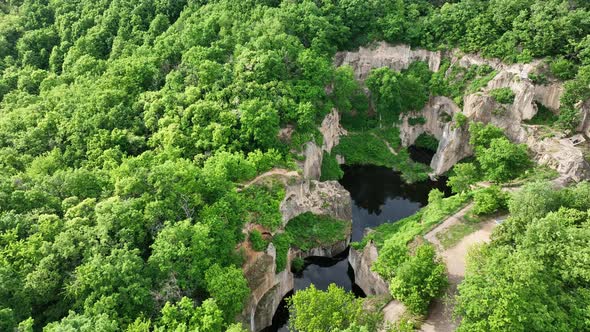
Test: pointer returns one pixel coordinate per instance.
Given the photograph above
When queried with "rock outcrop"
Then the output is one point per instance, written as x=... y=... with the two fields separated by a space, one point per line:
x=397 y=57
x=438 y=113
x=306 y=195
x=361 y=261
x=559 y=153
x=327 y=198
x=556 y=152
x=268 y=288
x=331 y=132
x=584 y=126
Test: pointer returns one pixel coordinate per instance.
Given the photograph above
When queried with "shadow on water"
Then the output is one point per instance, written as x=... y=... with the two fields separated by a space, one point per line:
x=379 y=195
x=421 y=155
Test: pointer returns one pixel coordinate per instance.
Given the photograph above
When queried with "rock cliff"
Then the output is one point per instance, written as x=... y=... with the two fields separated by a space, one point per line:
x=306 y=195
x=556 y=152
x=361 y=261
x=313 y=154
x=268 y=287
x=396 y=57
x=328 y=198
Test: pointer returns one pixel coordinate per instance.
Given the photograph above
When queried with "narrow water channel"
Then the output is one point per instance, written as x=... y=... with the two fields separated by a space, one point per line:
x=379 y=195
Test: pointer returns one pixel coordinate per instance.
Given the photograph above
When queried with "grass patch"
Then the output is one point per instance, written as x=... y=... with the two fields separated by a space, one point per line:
x=363 y=148
x=307 y=231
x=262 y=204
x=544 y=117
x=369 y=148
x=416 y=121
x=537 y=173
x=257 y=241
x=503 y=95
x=451 y=236
x=480 y=82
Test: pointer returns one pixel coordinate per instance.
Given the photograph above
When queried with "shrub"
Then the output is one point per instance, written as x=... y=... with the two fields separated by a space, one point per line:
x=297 y=264
x=330 y=168
x=419 y=279
x=282 y=242
x=262 y=205
x=563 y=69
x=427 y=141
x=503 y=95
x=464 y=175
x=314 y=310
x=257 y=241
x=264 y=161
x=482 y=135
x=489 y=200
x=568 y=119
x=503 y=160
x=538 y=78
x=416 y=121
x=460 y=120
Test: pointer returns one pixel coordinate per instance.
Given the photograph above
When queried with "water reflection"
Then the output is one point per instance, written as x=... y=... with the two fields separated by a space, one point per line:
x=380 y=195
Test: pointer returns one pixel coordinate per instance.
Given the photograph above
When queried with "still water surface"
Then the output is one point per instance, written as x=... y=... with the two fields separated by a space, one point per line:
x=379 y=195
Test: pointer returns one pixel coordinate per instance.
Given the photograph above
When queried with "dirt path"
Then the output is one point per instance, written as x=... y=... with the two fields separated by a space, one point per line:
x=441 y=311
x=272 y=172
x=450 y=221
x=392 y=312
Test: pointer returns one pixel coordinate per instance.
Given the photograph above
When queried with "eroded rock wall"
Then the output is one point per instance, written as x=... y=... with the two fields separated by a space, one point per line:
x=584 y=126
x=327 y=198
x=556 y=152
x=361 y=261
x=397 y=57
x=268 y=287
x=306 y=195
x=331 y=132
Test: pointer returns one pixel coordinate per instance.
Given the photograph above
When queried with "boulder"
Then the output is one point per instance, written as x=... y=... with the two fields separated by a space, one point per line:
x=325 y=198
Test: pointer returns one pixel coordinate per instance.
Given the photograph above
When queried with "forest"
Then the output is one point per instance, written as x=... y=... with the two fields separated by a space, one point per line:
x=128 y=127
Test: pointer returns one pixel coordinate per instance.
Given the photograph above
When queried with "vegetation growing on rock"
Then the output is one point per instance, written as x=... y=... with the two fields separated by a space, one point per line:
x=127 y=127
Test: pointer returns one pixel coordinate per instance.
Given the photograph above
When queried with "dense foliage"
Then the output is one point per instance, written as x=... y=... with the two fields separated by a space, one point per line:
x=313 y=310
x=126 y=127
x=534 y=276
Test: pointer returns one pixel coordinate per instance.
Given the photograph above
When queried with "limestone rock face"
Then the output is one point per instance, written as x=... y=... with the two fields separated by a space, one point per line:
x=361 y=261
x=331 y=132
x=549 y=95
x=267 y=287
x=312 y=166
x=557 y=153
x=327 y=198
x=396 y=57
x=584 y=127
x=452 y=147
x=435 y=110
x=452 y=138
